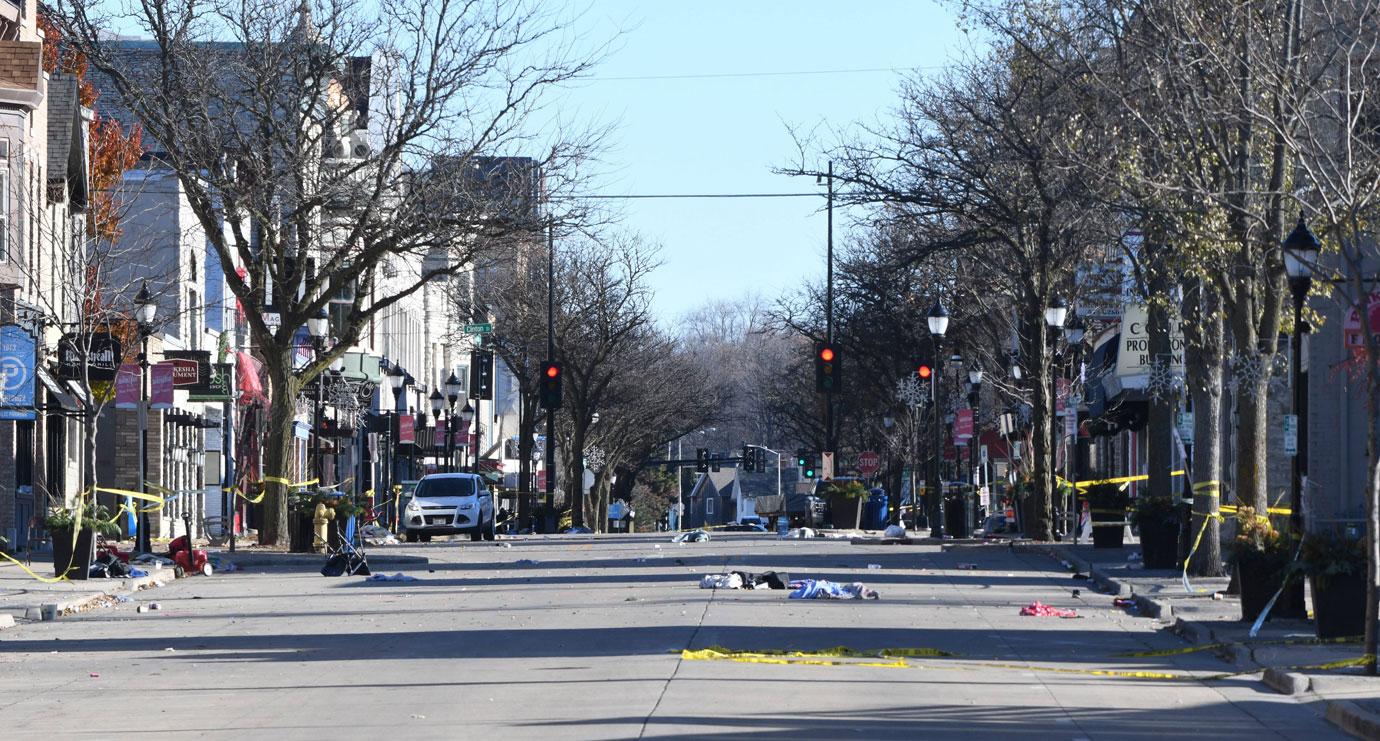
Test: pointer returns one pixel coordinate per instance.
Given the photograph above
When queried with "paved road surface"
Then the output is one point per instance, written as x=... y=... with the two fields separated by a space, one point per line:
x=586 y=643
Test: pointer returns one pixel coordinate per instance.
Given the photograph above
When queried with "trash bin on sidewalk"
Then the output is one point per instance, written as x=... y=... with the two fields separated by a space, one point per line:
x=955 y=516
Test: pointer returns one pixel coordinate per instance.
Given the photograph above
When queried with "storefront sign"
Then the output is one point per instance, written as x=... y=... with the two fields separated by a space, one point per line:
x=1352 y=337
x=1133 y=356
x=17 y=361
x=94 y=357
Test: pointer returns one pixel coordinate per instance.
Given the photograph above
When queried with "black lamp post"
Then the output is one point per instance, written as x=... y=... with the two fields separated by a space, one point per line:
x=1300 y=254
x=1055 y=314
x=466 y=418
x=453 y=387
x=438 y=405
x=1074 y=331
x=397 y=378
x=318 y=326
x=145 y=310
x=939 y=324
x=974 y=442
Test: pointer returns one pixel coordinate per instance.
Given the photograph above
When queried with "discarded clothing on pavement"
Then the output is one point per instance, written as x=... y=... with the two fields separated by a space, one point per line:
x=823 y=589
x=694 y=536
x=745 y=580
x=894 y=531
x=1040 y=609
x=800 y=532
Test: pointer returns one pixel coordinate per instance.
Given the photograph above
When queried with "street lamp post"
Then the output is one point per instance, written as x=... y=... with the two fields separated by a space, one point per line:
x=938 y=325
x=466 y=419
x=1055 y=314
x=317 y=326
x=453 y=387
x=145 y=310
x=1074 y=331
x=438 y=405
x=397 y=378
x=1300 y=253
x=974 y=401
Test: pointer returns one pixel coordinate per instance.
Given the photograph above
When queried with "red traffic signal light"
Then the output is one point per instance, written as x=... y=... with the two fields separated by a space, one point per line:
x=551 y=385
x=924 y=372
x=826 y=369
x=552 y=370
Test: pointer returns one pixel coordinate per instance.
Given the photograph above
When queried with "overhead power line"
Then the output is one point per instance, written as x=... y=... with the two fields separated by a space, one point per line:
x=785 y=73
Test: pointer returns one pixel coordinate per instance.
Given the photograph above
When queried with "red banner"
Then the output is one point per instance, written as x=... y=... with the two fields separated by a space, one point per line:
x=127 y=387
x=407 y=429
x=1351 y=326
x=161 y=386
x=963 y=424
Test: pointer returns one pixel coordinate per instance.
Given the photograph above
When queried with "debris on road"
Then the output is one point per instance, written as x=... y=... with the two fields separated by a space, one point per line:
x=1040 y=609
x=694 y=536
x=745 y=580
x=823 y=589
x=967 y=567
x=391 y=577
x=874 y=567
x=524 y=562
x=894 y=531
x=800 y=533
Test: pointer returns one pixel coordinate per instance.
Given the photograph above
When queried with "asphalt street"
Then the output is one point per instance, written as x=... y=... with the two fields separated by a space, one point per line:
x=579 y=637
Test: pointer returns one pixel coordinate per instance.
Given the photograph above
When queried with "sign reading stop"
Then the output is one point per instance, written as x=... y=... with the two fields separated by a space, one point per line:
x=868 y=463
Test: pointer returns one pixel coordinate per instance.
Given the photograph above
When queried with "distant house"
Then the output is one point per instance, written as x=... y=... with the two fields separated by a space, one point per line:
x=714 y=500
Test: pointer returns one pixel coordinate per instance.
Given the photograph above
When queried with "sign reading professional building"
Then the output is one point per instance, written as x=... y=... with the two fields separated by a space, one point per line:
x=1133 y=356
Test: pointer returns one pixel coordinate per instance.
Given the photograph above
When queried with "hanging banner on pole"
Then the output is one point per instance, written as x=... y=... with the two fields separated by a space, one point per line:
x=161 y=386
x=17 y=360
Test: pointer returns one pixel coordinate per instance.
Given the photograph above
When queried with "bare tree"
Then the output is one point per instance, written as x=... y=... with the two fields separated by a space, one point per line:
x=318 y=142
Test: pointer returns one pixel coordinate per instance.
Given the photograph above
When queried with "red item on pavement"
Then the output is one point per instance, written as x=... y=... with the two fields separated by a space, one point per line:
x=1040 y=609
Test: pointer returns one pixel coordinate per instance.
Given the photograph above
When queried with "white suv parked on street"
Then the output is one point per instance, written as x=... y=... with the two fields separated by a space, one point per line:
x=447 y=504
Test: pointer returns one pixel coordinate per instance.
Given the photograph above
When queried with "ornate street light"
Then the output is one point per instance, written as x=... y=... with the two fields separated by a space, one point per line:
x=319 y=324
x=145 y=311
x=453 y=387
x=939 y=324
x=466 y=417
x=1300 y=255
x=1056 y=312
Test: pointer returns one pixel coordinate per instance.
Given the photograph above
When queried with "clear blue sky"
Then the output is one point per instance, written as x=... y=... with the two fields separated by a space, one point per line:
x=724 y=134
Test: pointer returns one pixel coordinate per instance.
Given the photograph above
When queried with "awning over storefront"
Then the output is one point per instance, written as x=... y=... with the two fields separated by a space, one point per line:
x=58 y=397
x=1114 y=403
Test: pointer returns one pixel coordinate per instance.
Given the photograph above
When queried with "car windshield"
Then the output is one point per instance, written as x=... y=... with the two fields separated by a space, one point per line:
x=445 y=487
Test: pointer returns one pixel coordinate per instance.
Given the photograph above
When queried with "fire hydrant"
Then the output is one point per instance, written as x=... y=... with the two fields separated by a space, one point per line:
x=320 y=517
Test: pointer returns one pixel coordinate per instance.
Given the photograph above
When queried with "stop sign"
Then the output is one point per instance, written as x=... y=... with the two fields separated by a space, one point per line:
x=868 y=463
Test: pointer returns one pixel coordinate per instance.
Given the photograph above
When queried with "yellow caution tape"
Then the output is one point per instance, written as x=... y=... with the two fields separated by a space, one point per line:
x=785 y=659
x=1170 y=651
x=1118 y=480
x=835 y=652
x=30 y=572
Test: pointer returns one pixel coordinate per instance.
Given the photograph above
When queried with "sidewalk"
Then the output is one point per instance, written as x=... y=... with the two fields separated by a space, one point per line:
x=1283 y=652
x=23 y=597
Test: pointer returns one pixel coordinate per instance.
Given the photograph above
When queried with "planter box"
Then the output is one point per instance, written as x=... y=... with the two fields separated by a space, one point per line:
x=844 y=510
x=74 y=560
x=1259 y=582
x=1339 y=605
x=1159 y=545
x=299 y=532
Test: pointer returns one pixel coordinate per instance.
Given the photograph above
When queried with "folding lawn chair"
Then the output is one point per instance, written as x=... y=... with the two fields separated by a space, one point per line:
x=344 y=556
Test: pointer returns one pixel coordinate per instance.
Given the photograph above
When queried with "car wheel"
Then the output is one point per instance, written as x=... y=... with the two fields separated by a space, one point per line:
x=411 y=536
x=489 y=531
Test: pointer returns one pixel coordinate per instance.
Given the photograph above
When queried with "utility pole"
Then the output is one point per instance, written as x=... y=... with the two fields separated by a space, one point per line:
x=829 y=441
x=551 y=357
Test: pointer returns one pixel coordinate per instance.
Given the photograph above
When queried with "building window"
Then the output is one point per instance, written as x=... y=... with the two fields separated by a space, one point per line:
x=709 y=506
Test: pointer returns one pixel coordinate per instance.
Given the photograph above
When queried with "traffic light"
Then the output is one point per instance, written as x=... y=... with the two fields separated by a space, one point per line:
x=827 y=369
x=702 y=460
x=749 y=459
x=760 y=457
x=808 y=471
x=482 y=375
x=924 y=372
x=802 y=456
x=550 y=383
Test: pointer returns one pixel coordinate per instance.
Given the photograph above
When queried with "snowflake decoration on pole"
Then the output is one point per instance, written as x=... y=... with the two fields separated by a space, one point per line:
x=910 y=392
x=1280 y=380
x=594 y=458
x=1247 y=371
x=1162 y=381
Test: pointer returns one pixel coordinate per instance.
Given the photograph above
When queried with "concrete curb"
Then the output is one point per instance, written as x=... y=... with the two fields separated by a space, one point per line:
x=80 y=602
x=1353 y=719
x=313 y=561
x=1286 y=682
